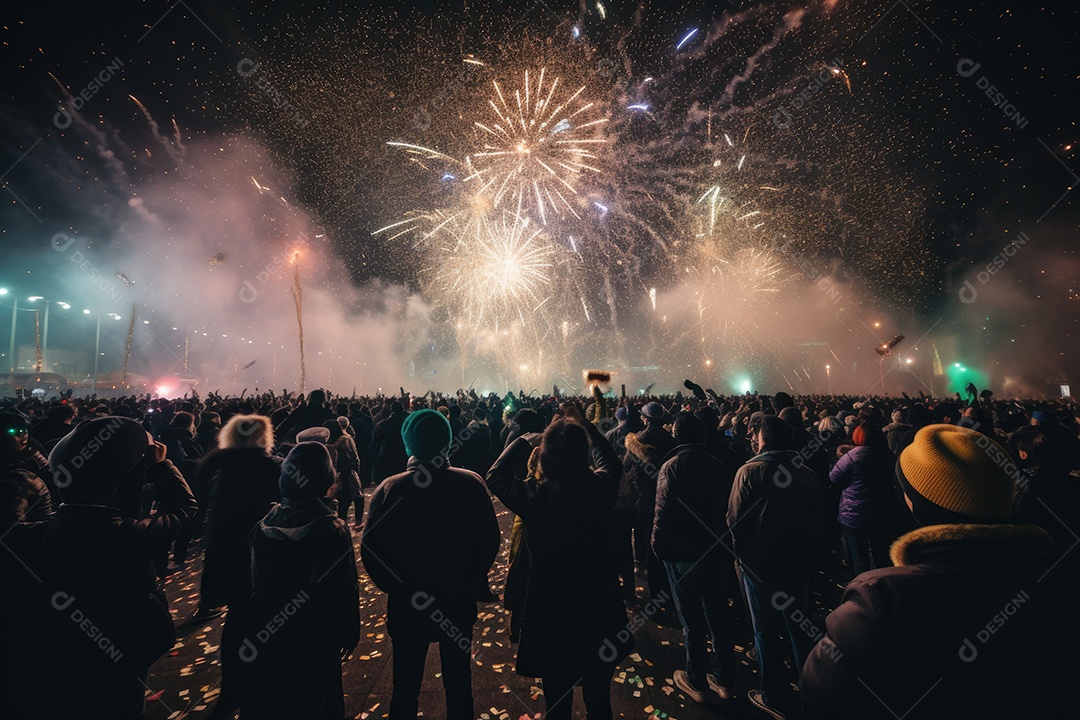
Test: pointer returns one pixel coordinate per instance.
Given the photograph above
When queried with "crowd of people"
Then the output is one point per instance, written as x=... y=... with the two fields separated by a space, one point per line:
x=953 y=520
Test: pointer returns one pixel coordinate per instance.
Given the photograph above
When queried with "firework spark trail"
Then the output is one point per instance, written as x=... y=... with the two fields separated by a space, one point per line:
x=792 y=20
x=101 y=140
x=155 y=129
x=178 y=138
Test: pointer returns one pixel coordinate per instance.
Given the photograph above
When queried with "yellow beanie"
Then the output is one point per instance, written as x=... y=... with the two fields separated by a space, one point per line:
x=959 y=470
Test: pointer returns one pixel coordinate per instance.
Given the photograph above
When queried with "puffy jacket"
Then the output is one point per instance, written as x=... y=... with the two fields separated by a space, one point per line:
x=970 y=623
x=864 y=476
x=691 y=498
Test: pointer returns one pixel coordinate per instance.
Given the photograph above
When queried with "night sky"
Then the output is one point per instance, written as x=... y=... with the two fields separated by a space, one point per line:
x=967 y=173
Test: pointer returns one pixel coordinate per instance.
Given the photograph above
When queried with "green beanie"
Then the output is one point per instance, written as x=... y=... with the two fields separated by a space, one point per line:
x=426 y=434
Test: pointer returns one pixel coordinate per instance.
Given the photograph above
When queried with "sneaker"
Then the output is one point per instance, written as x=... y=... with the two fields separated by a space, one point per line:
x=682 y=681
x=758 y=700
x=717 y=687
x=207 y=614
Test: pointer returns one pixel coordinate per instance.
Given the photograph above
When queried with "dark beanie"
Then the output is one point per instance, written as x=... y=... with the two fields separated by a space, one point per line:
x=307 y=472
x=88 y=462
x=426 y=434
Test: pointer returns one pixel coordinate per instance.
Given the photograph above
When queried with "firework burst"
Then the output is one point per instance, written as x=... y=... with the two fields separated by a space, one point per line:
x=540 y=143
x=491 y=269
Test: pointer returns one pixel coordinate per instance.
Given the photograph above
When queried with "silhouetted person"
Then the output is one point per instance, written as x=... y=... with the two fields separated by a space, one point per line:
x=429 y=540
x=93 y=618
x=304 y=615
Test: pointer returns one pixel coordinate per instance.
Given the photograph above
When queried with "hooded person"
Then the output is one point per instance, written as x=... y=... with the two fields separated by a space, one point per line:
x=952 y=628
x=302 y=567
x=90 y=566
x=429 y=541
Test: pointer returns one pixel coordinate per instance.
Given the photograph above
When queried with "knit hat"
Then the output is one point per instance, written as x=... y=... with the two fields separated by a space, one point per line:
x=1044 y=417
x=621 y=415
x=426 y=434
x=89 y=461
x=307 y=472
x=956 y=475
x=653 y=410
x=783 y=400
x=315 y=434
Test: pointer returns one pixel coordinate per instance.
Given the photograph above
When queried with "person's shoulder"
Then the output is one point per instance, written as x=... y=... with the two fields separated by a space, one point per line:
x=881 y=592
x=465 y=476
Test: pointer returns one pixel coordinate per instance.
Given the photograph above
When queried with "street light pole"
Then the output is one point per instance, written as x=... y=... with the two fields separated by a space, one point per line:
x=45 y=338
x=97 y=354
x=14 y=317
x=828 y=374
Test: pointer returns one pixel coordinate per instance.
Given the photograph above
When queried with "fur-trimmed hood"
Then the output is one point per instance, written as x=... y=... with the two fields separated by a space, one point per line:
x=642 y=451
x=909 y=549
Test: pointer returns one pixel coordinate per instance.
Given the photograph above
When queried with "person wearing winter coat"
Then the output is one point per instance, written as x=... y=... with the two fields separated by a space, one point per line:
x=311 y=414
x=691 y=497
x=775 y=514
x=574 y=625
x=867 y=508
x=360 y=421
x=304 y=617
x=56 y=424
x=92 y=617
x=19 y=450
x=387 y=446
x=972 y=619
x=347 y=464
x=429 y=541
x=896 y=431
x=645 y=453
x=241 y=480
x=474 y=445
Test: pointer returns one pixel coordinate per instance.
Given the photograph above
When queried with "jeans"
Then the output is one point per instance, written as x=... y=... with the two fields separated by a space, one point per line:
x=866 y=551
x=776 y=609
x=701 y=600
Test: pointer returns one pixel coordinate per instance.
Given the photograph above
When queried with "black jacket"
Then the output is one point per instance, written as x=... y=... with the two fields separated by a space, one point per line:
x=91 y=618
x=775 y=513
x=573 y=620
x=304 y=611
x=241 y=485
x=429 y=540
x=388 y=448
x=473 y=448
x=691 y=504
